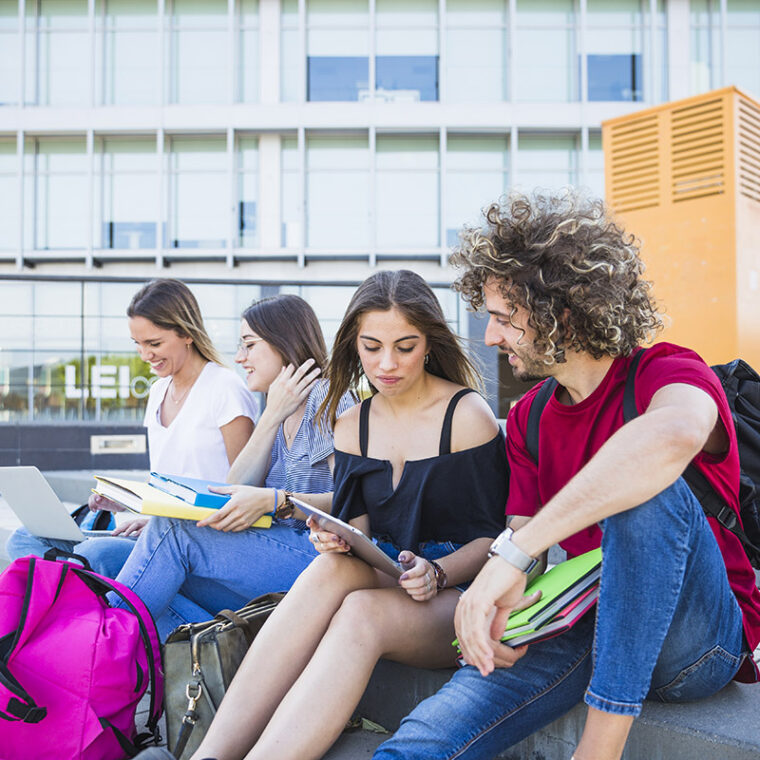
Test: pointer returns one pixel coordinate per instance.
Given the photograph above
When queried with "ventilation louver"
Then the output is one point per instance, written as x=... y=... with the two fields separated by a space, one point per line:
x=635 y=164
x=698 y=150
x=748 y=157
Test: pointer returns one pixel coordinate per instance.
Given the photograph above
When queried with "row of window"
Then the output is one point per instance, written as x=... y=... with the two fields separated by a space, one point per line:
x=66 y=354
x=332 y=50
x=339 y=193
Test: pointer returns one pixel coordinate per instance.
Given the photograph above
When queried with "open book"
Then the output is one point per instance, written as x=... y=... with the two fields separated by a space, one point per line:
x=145 y=499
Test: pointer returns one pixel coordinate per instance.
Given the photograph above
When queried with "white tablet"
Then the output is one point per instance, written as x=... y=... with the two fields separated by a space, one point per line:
x=360 y=544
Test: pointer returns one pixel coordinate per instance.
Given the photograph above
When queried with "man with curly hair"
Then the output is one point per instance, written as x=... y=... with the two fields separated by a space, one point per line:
x=678 y=612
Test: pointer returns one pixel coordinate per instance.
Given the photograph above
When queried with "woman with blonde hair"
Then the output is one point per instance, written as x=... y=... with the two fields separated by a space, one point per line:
x=198 y=417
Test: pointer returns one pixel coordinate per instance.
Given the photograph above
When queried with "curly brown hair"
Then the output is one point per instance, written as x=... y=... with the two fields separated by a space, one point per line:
x=570 y=265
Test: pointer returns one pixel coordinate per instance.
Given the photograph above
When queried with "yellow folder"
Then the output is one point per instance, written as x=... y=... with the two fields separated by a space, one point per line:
x=144 y=499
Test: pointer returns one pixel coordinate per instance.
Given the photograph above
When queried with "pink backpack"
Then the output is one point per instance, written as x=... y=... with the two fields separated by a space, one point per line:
x=72 y=668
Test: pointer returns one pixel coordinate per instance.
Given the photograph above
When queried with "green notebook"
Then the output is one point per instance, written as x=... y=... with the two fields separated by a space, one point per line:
x=558 y=586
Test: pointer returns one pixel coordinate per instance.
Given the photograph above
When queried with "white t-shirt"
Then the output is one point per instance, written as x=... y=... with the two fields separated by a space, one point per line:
x=193 y=445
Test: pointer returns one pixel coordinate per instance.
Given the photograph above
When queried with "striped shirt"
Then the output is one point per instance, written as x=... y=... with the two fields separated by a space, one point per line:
x=303 y=467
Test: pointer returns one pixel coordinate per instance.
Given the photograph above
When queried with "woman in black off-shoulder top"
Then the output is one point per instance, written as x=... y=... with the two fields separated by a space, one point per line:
x=421 y=467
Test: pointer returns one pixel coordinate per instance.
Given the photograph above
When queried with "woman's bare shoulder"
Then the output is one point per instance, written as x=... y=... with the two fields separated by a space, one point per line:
x=473 y=423
x=346 y=431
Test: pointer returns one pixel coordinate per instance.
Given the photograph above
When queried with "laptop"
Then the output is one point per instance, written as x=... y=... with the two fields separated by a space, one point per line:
x=41 y=512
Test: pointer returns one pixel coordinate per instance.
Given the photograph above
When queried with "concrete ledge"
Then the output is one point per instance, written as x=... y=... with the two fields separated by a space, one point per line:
x=722 y=727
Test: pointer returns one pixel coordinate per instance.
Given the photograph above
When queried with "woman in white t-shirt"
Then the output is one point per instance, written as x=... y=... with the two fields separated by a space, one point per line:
x=200 y=413
x=186 y=571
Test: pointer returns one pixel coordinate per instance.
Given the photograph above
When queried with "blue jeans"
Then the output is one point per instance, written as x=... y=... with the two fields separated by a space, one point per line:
x=667 y=627
x=106 y=555
x=186 y=574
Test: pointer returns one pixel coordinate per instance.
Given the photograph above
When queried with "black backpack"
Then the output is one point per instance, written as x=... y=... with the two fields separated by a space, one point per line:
x=742 y=387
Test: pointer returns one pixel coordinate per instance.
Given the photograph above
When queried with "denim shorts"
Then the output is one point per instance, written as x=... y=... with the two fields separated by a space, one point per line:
x=427 y=549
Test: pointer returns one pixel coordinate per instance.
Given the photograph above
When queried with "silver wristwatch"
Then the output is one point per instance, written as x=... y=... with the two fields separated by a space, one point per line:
x=504 y=548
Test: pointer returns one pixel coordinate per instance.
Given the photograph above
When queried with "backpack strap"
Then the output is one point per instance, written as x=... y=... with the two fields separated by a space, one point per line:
x=630 y=411
x=444 y=447
x=101 y=585
x=537 y=406
x=16 y=704
x=712 y=504
x=541 y=399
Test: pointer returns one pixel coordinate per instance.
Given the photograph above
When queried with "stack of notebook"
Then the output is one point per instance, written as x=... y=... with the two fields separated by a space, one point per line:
x=168 y=496
x=568 y=591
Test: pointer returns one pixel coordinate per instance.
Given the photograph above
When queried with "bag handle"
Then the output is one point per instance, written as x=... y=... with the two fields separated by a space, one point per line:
x=54 y=553
x=231 y=616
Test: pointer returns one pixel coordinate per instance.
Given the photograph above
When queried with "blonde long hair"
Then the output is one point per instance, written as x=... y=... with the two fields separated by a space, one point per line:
x=171 y=305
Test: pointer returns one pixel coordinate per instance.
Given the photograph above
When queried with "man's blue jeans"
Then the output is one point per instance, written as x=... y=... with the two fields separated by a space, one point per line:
x=667 y=627
x=186 y=574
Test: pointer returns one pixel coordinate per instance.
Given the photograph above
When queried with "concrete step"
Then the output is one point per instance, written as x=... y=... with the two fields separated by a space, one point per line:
x=722 y=727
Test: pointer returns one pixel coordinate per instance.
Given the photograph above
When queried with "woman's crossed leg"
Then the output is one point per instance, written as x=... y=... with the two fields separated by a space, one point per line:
x=337 y=621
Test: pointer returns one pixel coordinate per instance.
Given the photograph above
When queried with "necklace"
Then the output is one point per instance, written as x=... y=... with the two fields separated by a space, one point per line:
x=184 y=393
x=297 y=416
x=178 y=400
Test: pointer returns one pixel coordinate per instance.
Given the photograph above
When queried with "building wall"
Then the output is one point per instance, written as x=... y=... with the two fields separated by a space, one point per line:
x=248 y=144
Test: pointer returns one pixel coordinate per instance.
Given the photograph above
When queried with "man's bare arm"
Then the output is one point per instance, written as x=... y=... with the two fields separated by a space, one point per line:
x=639 y=461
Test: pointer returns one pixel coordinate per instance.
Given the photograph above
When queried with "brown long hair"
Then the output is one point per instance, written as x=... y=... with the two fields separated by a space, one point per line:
x=413 y=297
x=291 y=327
x=171 y=305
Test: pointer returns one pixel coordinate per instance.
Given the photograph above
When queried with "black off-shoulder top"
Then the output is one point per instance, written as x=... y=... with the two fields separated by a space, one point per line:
x=455 y=496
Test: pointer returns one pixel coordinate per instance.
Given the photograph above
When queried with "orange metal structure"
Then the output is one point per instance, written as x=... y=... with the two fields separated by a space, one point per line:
x=684 y=177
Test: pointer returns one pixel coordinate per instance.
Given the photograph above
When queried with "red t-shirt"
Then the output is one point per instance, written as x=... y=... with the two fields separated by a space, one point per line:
x=571 y=435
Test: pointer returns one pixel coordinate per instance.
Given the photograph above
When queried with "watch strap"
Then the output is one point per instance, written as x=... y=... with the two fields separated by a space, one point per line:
x=287 y=508
x=504 y=548
x=441 y=579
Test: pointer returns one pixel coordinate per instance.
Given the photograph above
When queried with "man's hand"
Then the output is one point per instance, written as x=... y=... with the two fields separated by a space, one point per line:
x=483 y=611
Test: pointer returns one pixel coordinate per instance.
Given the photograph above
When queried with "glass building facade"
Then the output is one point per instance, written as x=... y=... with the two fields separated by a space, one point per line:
x=67 y=355
x=306 y=142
